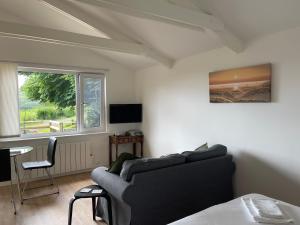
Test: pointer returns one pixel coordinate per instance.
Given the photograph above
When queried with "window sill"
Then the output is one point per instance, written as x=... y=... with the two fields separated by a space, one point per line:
x=29 y=138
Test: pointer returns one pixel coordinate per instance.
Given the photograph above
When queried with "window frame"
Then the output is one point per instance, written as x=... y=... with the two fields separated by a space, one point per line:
x=80 y=103
x=79 y=116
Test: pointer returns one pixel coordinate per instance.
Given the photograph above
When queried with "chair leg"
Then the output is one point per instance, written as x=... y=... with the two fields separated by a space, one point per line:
x=51 y=178
x=71 y=210
x=51 y=183
x=25 y=185
x=13 y=197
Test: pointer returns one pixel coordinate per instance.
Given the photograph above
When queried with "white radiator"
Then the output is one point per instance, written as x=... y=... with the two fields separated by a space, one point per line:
x=70 y=158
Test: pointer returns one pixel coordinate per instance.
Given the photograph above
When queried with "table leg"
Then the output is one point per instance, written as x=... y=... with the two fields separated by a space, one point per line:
x=18 y=177
x=134 y=149
x=13 y=196
x=109 y=209
x=110 y=153
x=94 y=207
x=142 y=149
x=117 y=151
x=71 y=210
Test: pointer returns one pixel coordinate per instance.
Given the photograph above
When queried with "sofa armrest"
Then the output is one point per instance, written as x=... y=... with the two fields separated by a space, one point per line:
x=112 y=183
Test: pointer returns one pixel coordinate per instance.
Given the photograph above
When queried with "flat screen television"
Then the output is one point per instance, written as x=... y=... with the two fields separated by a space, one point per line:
x=125 y=113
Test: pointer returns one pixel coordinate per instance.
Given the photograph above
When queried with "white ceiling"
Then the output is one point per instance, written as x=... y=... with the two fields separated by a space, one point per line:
x=175 y=42
x=248 y=20
x=35 y=12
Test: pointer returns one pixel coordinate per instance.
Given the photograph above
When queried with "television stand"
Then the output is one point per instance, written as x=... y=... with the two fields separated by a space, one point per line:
x=123 y=139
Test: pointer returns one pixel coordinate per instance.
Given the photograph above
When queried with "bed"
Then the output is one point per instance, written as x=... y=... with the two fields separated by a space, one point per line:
x=234 y=213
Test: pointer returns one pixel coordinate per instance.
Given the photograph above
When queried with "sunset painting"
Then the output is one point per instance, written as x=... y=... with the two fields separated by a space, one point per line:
x=248 y=84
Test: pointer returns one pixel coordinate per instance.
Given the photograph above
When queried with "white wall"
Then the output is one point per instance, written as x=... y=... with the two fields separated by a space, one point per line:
x=120 y=83
x=264 y=137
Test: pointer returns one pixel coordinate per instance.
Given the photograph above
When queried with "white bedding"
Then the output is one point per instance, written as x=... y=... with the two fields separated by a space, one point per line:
x=234 y=213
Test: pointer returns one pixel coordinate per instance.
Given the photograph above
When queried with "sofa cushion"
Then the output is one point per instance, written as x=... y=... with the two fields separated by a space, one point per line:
x=132 y=167
x=213 y=151
x=116 y=167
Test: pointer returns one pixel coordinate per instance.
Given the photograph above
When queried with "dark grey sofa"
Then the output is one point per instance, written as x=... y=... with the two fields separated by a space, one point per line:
x=160 y=191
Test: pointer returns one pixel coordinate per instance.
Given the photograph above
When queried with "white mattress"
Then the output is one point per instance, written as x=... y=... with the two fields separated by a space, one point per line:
x=233 y=213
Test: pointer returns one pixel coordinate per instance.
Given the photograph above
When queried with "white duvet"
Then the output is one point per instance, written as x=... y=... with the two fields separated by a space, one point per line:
x=234 y=213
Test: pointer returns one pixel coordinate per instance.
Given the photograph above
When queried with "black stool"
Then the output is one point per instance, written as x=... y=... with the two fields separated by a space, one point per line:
x=93 y=196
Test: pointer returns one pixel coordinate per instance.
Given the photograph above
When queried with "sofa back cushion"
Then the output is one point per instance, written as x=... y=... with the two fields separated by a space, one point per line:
x=213 y=151
x=131 y=167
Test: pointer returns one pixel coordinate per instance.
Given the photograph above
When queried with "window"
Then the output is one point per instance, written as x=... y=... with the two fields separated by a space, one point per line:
x=60 y=102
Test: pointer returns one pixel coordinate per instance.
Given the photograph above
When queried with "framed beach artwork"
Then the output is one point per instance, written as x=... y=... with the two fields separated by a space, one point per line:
x=248 y=84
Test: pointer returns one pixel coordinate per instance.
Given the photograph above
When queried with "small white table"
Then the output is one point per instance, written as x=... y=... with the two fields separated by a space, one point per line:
x=14 y=152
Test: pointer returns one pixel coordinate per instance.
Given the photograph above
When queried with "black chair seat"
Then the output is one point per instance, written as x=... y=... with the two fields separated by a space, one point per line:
x=36 y=165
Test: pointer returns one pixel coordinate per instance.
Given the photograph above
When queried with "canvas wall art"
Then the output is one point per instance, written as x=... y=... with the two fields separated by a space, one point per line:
x=248 y=84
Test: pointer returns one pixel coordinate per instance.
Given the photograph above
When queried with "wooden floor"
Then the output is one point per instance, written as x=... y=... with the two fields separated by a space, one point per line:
x=49 y=210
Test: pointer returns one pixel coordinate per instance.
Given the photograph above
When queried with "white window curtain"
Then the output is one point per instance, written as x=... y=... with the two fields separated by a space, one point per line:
x=9 y=106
